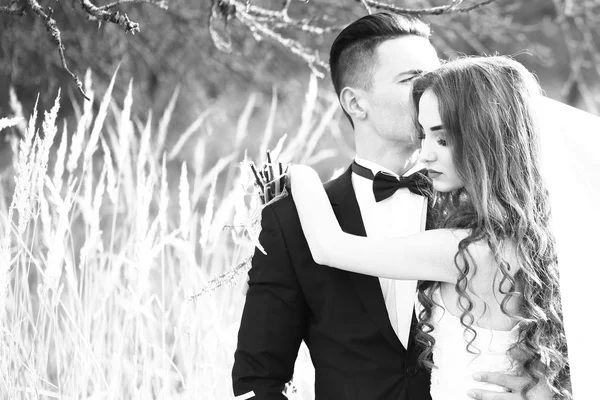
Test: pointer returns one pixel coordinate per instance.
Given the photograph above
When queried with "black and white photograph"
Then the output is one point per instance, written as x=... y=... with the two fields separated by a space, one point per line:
x=299 y=199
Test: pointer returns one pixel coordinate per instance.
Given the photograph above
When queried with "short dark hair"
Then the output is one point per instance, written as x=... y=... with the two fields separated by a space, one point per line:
x=353 y=50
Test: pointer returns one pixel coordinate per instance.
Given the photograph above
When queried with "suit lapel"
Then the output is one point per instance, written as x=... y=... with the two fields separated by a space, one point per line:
x=343 y=199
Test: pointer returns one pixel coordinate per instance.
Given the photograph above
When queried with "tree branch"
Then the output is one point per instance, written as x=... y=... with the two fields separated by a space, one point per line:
x=364 y=3
x=439 y=10
x=292 y=45
x=281 y=19
x=266 y=22
x=114 y=17
x=162 y=4
x=55 y=34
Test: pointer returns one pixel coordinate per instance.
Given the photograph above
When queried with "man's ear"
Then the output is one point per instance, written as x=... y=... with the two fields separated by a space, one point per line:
x=353 y=102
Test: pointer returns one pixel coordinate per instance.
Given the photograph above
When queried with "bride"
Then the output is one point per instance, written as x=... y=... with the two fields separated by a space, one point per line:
x=488 y=296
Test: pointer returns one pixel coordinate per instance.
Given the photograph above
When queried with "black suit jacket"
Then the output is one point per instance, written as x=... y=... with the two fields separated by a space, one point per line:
x=340 y=315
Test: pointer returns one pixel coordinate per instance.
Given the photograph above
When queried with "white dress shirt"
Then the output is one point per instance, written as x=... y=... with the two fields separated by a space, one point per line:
x=404 y=213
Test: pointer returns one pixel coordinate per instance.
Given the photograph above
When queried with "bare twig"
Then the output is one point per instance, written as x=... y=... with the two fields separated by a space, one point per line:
x=292 y=45
x=221 y=40
x=439 y=10
x=229 y=278
x=163 y=4
x=304 y=26
x=114 y=17
x=286 y=5
x=364 y=3
x=55 y=34
x=263 y=22
x=280 y=19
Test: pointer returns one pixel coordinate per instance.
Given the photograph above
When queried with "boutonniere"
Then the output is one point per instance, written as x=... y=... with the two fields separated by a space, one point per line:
x=270 y=183
x=270 y=180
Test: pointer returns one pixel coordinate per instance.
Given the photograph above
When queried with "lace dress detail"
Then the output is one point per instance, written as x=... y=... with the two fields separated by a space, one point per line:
x=451 y=378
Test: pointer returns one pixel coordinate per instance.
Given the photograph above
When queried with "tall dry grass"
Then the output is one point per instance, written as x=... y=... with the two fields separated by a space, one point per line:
x=120 y=266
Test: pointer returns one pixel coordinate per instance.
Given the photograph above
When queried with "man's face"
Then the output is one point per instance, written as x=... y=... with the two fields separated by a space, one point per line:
x=397 y=62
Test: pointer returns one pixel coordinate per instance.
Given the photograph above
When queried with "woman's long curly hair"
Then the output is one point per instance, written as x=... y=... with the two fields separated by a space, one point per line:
x=487 y=109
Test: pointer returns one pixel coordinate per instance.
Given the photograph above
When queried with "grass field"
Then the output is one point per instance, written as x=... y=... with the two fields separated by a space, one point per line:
x=122 y=267
x=124 y=246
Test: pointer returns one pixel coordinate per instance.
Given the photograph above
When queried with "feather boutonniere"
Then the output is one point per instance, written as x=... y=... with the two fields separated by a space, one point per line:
x=271 y=184
x=270 y=180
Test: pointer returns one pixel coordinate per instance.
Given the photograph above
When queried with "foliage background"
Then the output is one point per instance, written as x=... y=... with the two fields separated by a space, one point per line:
x=174 y=48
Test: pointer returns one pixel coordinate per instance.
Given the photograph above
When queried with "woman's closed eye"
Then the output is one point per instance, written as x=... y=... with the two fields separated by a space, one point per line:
x=407 y=80
x=440 y=141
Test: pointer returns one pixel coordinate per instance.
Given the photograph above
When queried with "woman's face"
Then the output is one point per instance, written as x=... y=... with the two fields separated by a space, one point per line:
x=435 y=153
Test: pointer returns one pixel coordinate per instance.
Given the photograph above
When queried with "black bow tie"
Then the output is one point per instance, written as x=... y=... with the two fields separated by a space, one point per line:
x=385 y=185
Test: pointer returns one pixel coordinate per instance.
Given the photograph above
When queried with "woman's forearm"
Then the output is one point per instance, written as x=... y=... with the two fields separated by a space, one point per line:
x=423 y=256
x=427 y=255
x=319 y=224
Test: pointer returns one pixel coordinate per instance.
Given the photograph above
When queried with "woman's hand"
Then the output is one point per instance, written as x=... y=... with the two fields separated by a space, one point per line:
x=513 y=383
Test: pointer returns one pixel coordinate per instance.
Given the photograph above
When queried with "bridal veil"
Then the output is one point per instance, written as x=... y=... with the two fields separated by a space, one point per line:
x=570 y=154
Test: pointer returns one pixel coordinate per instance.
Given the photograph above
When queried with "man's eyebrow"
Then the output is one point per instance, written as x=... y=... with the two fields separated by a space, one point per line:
x=436 y=128
x=410 y=72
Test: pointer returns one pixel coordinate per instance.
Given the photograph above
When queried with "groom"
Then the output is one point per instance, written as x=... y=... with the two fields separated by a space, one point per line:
x=359 y=329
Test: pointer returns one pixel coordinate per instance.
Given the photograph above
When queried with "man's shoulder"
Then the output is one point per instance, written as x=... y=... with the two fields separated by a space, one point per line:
x=285 y=208
x=330 y=185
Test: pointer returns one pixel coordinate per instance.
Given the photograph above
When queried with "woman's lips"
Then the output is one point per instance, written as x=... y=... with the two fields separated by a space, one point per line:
x=432 y=173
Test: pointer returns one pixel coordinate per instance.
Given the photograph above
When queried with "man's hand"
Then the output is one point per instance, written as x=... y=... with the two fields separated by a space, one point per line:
x=513 y=383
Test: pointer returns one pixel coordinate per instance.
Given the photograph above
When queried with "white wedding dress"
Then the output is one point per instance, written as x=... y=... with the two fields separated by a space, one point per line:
x=452 y=376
